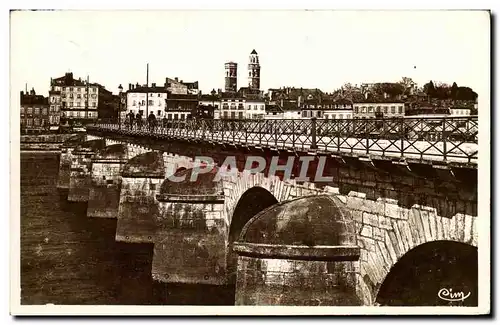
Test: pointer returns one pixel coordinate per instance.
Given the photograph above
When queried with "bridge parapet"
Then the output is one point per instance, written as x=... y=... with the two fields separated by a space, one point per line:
x=433 y=139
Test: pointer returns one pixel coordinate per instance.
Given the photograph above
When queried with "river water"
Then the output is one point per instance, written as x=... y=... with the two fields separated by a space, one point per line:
x=68 y=258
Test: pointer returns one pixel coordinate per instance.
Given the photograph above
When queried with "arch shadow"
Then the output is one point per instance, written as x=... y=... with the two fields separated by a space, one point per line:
x=419 y=276
x=253 y=201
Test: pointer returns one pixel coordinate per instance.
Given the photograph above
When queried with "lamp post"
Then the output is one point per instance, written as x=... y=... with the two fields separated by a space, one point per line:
x=120 y=89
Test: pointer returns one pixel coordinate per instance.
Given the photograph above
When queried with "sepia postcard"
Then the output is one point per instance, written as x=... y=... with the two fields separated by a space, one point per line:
x=257 y=162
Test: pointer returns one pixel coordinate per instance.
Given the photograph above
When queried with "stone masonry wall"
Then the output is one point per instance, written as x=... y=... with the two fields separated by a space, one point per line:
x=190 y=243
x=137 y=209
x=264 y=281
x=387 y=231
x=79 y=184
x=104 y=195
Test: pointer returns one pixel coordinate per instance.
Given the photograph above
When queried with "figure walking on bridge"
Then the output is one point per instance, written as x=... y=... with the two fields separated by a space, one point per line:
x=138 y=117
x=152 y=122
x=130 y=117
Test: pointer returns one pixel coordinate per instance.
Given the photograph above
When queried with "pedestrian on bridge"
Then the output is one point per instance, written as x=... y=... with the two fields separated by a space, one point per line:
x=151 y=122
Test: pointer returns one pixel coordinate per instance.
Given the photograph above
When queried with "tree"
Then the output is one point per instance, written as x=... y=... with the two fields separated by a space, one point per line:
x=429 y=89
x=407 y=84
x=466 y=93
x=454 y=89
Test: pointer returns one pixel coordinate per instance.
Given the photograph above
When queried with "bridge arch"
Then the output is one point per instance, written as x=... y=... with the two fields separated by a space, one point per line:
x=250 y=203
x=418 y=276
x=397 y=238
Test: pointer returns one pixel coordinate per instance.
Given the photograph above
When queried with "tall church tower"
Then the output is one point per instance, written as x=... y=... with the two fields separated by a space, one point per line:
x=254 y=71
x=230 y=84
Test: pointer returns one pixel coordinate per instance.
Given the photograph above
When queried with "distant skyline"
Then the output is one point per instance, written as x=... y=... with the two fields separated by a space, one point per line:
x=309 y=49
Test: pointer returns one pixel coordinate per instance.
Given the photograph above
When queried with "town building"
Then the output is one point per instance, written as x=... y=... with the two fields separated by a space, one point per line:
x=232 y=106
x=231 y=78
x=179 y=87
x=180 y=106
x=34 y=112
x=325 y=107
x=143 y=100
x=274 y=112
x=379 y=109
x=460 y=111
x=255 y=108
x=54 y=107
x=81 y=101
x=208 y=105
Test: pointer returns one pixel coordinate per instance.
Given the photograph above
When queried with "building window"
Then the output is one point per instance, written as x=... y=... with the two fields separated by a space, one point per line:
x=370 y=109
x=44 y=111
x=159 y=113
x=150 y=102
x=400 y=109
x=70 y=89
x=94 y=90
x=385 y=109
x=37 y=110
x=70 y=95
x=240 y=115
x=341 y=116
x=78 y=89
x=176 y=116
x=393 y=109
x=78 y=103
x=94 y=104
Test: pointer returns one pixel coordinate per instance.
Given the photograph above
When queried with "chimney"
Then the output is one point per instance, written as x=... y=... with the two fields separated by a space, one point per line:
x=176 y=79
x=136 y=85
x=182 y=81
x=129 y=86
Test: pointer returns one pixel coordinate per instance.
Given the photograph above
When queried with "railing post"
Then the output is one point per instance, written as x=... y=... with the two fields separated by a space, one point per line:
x=402 y=131
x=367 y=137
x=314 y=144
x=276 y=133
x=443 y=138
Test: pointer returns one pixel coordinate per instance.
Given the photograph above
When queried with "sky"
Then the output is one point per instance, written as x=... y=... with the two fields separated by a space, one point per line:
x=310 y=49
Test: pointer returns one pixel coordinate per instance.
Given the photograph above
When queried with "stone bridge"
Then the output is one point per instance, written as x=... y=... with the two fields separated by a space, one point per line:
x=380 y=231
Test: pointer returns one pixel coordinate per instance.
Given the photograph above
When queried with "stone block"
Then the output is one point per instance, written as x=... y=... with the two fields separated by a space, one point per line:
x=370 y=219
x=367 y=231
x=385 y=222
x=378 y=234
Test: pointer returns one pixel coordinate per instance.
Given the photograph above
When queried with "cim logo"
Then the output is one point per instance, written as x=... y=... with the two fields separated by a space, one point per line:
x=449 y=295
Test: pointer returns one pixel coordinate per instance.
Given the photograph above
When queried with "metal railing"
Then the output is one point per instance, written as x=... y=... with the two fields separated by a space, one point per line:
x=443 y=138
